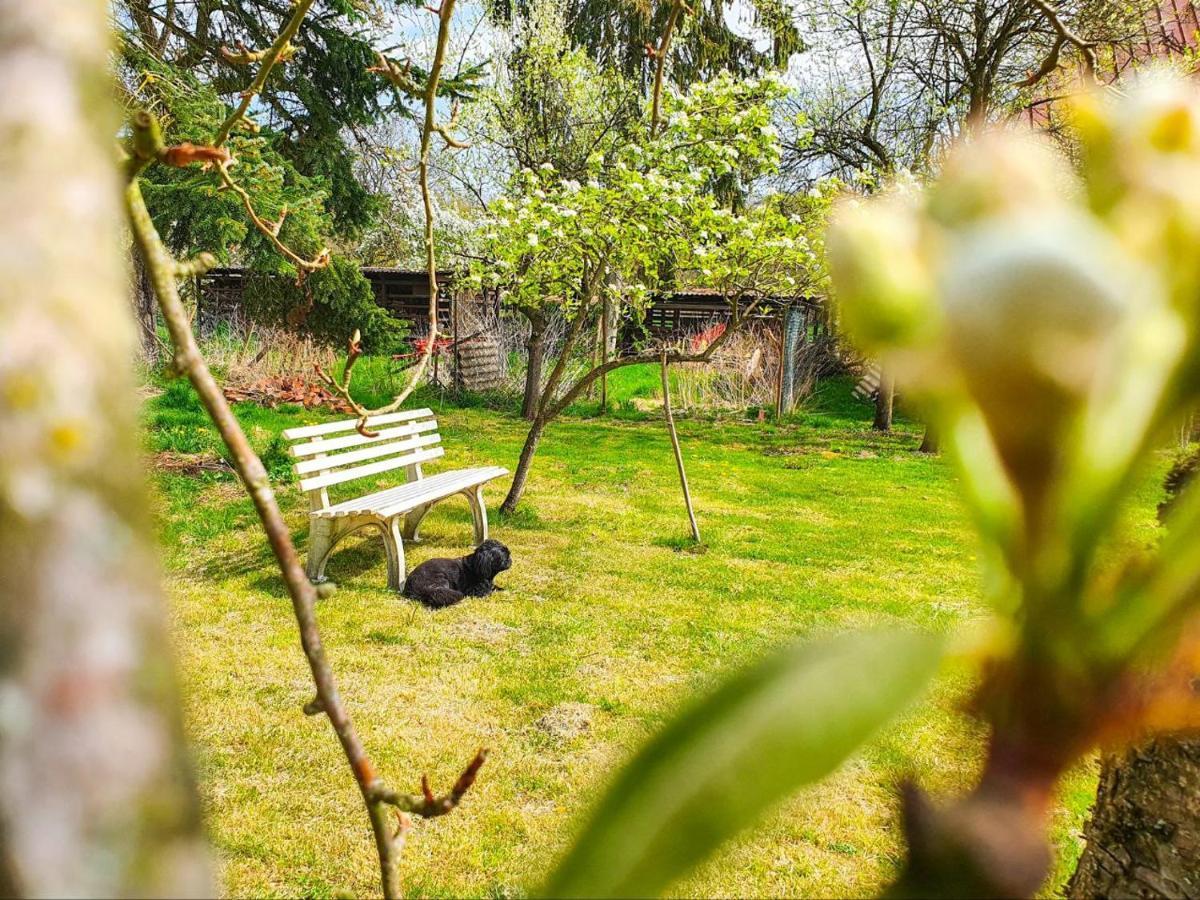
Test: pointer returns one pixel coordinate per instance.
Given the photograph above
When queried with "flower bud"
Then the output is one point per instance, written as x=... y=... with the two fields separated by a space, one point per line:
x=1000 y=173
x=1141 y=159
x=1034 y=322
x=879 y=276
x=1149 y=140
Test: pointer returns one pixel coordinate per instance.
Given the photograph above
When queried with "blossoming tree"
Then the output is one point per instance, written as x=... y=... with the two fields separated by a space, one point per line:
x=645 y=217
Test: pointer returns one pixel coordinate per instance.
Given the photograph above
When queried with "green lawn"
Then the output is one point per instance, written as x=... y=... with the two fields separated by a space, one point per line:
x=604 y=626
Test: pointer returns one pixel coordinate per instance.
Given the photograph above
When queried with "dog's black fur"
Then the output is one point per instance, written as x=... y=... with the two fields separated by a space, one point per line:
x=443 y=582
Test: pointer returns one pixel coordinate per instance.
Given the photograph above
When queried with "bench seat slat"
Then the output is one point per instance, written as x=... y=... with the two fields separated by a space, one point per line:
x=374 y=451
x=405 y=497
x=359 y=440
x=307 y=431
x=355 y=472
x=468 y=478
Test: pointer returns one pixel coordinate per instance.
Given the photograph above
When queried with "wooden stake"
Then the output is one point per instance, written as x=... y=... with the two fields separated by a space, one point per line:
x=604 y=355
x=687 y=495
x=779 y=377
x=454 y=297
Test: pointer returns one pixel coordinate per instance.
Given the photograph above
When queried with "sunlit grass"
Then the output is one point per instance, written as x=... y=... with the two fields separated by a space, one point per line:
x=605 y=624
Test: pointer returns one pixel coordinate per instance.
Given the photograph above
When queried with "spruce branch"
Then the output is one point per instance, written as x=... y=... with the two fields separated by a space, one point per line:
x=147 y=146
x=271 y=230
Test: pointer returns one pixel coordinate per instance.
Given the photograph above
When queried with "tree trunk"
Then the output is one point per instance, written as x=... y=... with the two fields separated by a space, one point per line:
x=547 y=409
x=929 y=443
x=885 y=399
x=96 y=796
x=524 y=463
x=145 y=309
x=1143 y=839
x=535 y=359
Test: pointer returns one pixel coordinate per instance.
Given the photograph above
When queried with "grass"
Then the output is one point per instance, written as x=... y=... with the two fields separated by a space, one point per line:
x=606 y=623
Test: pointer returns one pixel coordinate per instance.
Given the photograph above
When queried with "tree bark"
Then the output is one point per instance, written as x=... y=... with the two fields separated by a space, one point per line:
x=521 y=475
x=1143 y=839
x=929 y=442
x=885 y=399
x=96 y=794
x=145 y=309
x=535 y=360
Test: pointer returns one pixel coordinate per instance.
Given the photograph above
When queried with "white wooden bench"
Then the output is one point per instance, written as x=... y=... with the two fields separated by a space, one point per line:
x=336 y=453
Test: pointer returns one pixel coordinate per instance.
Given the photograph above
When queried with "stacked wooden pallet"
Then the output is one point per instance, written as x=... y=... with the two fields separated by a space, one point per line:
x=868 y=385
x=480 y=364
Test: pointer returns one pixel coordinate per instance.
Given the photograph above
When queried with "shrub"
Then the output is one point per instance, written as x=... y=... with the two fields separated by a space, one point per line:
x=328 y=306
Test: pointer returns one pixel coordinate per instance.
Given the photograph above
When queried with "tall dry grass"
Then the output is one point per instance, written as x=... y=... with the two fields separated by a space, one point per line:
x=249 y=353
x=744 y=372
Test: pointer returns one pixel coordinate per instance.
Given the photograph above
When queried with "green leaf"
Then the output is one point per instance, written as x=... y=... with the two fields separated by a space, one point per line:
x=783 y=723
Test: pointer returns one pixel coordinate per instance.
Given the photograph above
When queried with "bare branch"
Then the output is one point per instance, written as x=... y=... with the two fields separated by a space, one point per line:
x=271 y=229
x=164 y=270
x=279 y=51
x=243 y=56
x=426 y=804
x=737 y=319
x=404 y=86
x=1087 y=49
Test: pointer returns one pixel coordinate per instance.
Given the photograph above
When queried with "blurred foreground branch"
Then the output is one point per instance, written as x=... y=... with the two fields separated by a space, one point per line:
x=97 y=796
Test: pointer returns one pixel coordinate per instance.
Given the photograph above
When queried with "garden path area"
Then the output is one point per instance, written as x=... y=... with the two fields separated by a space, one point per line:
x=606 y=623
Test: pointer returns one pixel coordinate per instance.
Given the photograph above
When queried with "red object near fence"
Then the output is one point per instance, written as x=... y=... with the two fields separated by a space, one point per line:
x=701 y=340
x=420 y=345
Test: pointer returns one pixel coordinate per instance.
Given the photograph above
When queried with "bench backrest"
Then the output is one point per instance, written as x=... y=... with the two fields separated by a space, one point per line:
x=336 y=452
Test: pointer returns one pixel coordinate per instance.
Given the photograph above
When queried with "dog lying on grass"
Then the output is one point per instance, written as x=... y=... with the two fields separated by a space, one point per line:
x=443 y=582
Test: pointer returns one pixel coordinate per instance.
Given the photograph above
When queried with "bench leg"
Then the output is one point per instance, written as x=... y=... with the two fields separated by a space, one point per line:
x=320 y=545
x=393 y=543
x=478 y=513
x=412 y=521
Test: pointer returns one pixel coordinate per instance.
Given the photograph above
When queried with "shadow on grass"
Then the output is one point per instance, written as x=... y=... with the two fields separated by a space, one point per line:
x=244 y=562
x=524 y=518
x=682 y=544
x=360 y=556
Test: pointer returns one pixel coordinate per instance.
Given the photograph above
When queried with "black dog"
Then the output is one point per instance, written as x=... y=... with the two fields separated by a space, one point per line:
x=443 y=582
